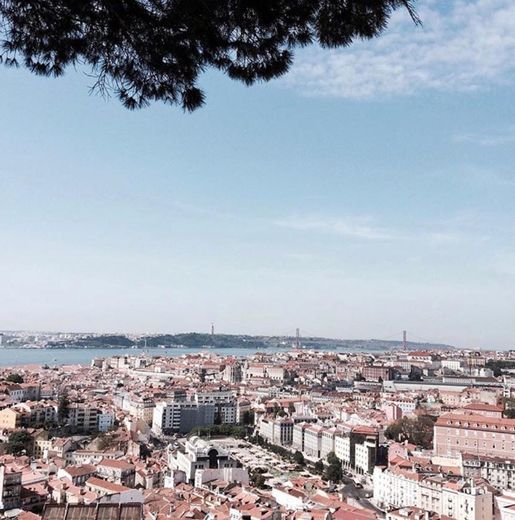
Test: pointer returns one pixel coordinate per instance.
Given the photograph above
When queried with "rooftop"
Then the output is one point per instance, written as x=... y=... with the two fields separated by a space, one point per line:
x=93 y=512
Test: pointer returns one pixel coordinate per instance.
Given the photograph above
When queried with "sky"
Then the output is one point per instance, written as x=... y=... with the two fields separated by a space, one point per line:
x=370 y=190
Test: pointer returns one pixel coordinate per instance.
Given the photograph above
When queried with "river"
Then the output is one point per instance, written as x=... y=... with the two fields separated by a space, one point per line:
x=83 y=356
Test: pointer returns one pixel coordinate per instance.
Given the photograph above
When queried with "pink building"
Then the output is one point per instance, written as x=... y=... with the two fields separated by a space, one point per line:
x=377 y=372
x=478 y=434
x=392 y=412
x=488 y=410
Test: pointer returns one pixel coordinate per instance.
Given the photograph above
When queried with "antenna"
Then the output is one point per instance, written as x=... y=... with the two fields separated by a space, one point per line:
x=404 y=340
x=297 y=338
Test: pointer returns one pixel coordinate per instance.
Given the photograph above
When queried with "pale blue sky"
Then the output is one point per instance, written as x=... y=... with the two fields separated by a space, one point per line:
x=371 y=190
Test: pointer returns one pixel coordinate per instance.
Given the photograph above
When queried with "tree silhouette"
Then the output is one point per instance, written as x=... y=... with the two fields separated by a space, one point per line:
x=318 y=467
x=155 y=50
x=14 y=378
x=418 y=430
x=62 y=408
x=19 y=441
x=333 y=459
x=298 y=457
x=333 y=472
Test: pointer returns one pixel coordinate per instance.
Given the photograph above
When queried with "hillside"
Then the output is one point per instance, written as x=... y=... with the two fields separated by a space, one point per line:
x=200 y=340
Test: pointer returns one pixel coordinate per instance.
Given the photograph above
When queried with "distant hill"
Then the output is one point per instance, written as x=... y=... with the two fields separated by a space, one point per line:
x=119 y=341
x=199 y=340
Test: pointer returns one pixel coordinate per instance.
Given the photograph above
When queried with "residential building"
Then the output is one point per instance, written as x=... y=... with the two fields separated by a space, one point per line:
x=118 y=471
x=377 y=373
x=277 y=430
x=313 y=441
x=10 y=419
x=181 y=416
x=498 y=471
x=82 y=417
x=77 y=475
x=198 y=454
x=10 y=487
x=459 y=433
x=457 y=498
x=105 y=420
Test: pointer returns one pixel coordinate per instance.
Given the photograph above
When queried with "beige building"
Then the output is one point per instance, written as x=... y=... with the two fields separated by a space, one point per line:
x=10 y=419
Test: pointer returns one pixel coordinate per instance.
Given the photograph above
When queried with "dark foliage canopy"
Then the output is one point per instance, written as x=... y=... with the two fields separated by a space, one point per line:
x=417 y=430
x=14 y=378
x=333 y=473
x=318 y=467
x=298 y=457
x=18 y=442
x=155 y=50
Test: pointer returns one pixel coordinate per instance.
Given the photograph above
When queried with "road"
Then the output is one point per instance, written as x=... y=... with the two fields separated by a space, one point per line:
x=358 y=493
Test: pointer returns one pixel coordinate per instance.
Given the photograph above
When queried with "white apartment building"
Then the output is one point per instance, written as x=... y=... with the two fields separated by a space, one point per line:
x=16 y=393
x=276 y=373
x=406 y=404
x=142 y=409
x=451 y=364
x=37 y=412
x=265 y=371
x=266 y=428
x=459 y=499
x=355 y=447
x=105 y=420
x=342 y=446
x=499 y=471
x=298 y=436
x=337 y=440
x=10 y=487
x=313 y=441
x=23 y=392
x=277 y=431
x=254 y=371
x=166 y=416
x=327 y=442
x=228 y=413
x=181 y=416
x=394 y=488
x=364 y=455
x=216 y=396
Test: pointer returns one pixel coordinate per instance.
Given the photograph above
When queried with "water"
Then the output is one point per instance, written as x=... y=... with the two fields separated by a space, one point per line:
x=83 y=356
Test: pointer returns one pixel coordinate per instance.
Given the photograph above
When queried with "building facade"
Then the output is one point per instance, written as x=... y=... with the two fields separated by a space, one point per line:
x=458 y=498
x=456 y=433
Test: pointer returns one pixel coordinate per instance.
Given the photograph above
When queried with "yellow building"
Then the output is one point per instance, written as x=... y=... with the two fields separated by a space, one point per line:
x=10 y=419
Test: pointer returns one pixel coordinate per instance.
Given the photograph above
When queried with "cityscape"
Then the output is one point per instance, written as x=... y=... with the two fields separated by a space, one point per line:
x=290 y=434
x=258 y=260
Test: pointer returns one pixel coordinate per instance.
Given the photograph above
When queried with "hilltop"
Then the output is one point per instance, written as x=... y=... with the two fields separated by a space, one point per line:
x=201 y=340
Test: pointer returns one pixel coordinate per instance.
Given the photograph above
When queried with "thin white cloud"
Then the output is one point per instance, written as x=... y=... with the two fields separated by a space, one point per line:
x=344 y=226
x=497 y=139
x=462 y=46
x=364 y=228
